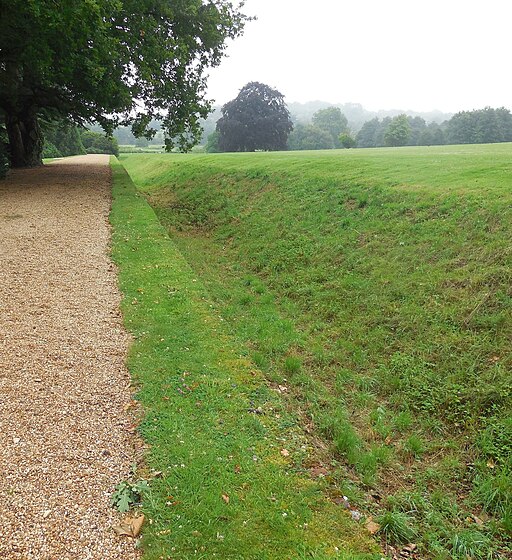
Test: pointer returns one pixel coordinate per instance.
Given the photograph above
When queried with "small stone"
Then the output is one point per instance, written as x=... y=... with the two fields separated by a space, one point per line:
x=356 y=515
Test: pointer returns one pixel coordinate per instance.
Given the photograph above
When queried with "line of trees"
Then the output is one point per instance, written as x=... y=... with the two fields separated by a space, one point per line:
x=258 y=119
x=467 y=127
x=62 y=138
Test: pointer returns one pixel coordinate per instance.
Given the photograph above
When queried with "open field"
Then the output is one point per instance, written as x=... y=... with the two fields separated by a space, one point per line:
x=374 y=288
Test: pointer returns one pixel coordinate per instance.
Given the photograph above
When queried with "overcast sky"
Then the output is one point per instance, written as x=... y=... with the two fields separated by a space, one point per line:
x=421 y=55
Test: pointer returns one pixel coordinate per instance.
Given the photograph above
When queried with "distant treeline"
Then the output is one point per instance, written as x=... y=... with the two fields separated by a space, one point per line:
x=62 y=138
x=329 y=128
x=467 y=127
x=483 y=126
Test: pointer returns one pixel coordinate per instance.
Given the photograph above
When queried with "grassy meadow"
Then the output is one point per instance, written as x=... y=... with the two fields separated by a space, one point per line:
x=366 y=296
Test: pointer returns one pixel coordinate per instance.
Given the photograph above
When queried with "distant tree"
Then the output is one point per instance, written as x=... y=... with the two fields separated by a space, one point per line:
x=123 y=135
x=309 y=137
x=366 y=137
x=438 y=134
x=432 y=135
x=212 y=143
x=380 y=136
x=50 y=150
x=332 y=121
x=398 y=131
x=505 y=122
x=64 y=136
x=487 y=127
x=97 y=143
x=209 y=124
x=141 y=142
x=257 y=119
x=482 y=126
x=460 y=128
x=417 y=126
x=158 y=139
x=347 y=140
x=111 y=62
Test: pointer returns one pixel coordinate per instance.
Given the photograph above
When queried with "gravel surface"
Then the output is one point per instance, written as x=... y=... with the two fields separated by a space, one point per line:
x=66 y=438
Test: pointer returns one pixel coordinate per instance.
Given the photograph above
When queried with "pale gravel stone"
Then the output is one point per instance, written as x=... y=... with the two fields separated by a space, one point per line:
x=66 y=439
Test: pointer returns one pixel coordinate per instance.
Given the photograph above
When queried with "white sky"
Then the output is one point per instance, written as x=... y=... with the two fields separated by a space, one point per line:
x=421 y=55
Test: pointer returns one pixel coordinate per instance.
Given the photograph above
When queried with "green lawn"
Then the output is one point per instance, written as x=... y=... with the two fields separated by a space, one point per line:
x=375 y=285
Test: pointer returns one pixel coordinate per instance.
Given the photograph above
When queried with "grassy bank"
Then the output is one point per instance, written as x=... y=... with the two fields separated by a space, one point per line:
x=375 y=285
x=224 y=453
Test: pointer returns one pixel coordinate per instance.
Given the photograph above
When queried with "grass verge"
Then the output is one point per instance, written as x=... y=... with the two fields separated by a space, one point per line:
x=227 y=451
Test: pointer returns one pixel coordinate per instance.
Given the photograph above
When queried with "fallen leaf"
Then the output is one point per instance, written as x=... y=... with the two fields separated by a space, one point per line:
x=225 y=497
x=132 y=428
x=238 y=469
x=130 y=527
x=285 y=453
x=491 y=464
x=372 y=527
x=318 y=471
x=477 y=520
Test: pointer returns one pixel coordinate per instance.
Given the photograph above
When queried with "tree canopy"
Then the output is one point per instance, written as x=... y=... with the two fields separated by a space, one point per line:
x=480 y=127
x=257 y=119
x=109 y=61
x=309 y=137
x=333 y=121
x=398 y=131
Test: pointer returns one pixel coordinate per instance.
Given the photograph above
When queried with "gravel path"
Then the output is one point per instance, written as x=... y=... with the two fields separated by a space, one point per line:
x=65 y=438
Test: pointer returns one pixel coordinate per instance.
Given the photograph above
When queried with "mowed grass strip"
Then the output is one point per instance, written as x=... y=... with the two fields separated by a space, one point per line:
x=225 y=446
x=376 y=284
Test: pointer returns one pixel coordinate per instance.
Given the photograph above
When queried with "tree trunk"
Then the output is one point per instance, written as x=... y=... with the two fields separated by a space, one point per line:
x=25 y=140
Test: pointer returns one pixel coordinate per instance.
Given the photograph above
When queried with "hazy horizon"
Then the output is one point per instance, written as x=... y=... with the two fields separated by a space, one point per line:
x=418 y=57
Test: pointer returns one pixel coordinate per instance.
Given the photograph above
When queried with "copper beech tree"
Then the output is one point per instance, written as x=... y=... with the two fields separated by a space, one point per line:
x=257 y=119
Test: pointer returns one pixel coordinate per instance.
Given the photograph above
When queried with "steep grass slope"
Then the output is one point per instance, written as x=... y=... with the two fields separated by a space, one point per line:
x=221 y=445
x=375 y=286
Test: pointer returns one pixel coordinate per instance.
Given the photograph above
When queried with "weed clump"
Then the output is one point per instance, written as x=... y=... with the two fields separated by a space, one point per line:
x=396 y=527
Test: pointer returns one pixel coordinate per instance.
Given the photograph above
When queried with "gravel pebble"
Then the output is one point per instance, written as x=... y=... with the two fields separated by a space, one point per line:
x=65 y=439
